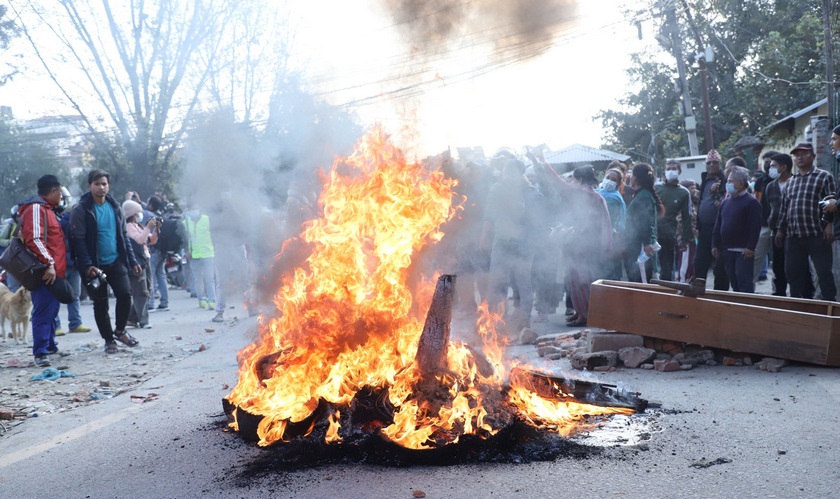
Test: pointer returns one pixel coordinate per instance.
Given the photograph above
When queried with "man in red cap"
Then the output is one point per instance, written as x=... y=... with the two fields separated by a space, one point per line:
x=802 y=227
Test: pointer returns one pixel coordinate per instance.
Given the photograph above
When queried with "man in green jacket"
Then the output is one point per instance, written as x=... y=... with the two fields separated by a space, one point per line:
x=677 y=201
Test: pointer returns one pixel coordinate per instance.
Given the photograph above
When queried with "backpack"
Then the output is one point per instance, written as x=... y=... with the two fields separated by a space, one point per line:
x=171 y=235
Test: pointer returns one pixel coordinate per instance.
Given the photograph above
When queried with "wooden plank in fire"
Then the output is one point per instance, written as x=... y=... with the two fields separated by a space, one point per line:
x=553 y=387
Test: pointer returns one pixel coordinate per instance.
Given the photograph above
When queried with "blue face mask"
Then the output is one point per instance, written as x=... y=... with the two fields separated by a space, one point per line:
x=774 y=173
x=608 y=185
x=730 y=188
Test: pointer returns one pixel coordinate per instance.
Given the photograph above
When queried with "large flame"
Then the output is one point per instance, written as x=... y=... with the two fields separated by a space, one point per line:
x=350 y=317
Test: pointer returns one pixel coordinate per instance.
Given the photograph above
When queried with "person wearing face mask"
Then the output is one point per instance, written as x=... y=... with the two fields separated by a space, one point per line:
x=765 y=241
x=201 y=255
x=139 y=236
x=736 y=231
x=677 y=201
x=803 y=228
x=611 y=190
x=711 y=192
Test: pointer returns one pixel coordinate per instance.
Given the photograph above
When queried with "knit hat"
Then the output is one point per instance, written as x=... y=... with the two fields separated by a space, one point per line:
x=131 y=208
x=713 y=156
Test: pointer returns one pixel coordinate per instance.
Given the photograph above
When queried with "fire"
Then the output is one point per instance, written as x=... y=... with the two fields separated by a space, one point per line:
x=351 y=316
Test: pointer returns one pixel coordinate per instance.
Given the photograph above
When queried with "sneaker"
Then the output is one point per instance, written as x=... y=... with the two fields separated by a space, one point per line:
x=60 y=353
x=42 y=361
x=162 y=308
x=111 y=347
x=132 y=324
x=211 y=305
x=145 y=326
x=202 y=303
x=220 y=317
x=81 y=328
x=59 y=332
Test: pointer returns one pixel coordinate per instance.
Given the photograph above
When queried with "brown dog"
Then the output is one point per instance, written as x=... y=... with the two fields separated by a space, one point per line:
x=15 y=307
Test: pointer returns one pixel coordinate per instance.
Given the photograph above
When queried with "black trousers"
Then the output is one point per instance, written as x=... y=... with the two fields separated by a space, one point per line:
x=779 y=278
x=666 y=257
x=703 y=260
x=117 y=277
x=797 y=269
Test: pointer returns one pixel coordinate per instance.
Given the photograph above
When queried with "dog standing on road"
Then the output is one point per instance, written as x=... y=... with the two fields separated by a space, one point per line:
x=15 y=307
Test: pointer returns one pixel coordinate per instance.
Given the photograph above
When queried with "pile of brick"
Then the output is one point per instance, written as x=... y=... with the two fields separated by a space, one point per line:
x=605 y=351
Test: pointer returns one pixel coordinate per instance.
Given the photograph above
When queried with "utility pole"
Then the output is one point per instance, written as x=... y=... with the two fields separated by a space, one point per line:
x=688 y=113
x=829 y=62
x=704 y=79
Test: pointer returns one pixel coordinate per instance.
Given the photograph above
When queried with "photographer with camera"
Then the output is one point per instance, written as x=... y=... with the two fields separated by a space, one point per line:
x=104 y=256
x=139 y=237
x=170 y=239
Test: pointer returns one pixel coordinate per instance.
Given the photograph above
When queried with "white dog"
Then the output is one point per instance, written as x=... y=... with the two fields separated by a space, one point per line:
x=15 y=307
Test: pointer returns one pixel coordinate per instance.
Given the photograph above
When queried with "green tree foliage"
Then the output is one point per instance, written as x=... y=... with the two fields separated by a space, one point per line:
x=23 y=159
x=768 y=63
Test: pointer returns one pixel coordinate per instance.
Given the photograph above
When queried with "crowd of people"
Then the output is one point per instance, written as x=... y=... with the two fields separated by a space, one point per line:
x=547 y=236
x=525 y=233
x=99 y=248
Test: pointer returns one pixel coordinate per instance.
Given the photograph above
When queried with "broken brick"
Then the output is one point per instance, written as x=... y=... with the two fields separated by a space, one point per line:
x=592 y=360
x=633 y=357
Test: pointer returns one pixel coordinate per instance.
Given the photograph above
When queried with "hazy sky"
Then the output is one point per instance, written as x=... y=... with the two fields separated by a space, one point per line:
x=549 y=99
x=355 y=53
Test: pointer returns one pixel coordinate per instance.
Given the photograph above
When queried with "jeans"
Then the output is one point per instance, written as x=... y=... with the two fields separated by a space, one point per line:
x=158 y=279
x=797 y=270
x=204 y=277
x=12 y=283
x=117 y=277
x=703 y=260
x=139 y=298
x=740 y=271
x=44 y=311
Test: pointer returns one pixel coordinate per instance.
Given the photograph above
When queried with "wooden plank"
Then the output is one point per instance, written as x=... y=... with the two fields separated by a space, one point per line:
x=434 y=340
x=733 y=323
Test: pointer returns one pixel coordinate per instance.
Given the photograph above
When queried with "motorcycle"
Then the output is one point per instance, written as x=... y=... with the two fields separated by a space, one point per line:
x=174 y=267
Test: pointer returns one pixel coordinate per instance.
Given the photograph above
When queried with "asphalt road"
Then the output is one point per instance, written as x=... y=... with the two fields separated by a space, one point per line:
x=776 y=435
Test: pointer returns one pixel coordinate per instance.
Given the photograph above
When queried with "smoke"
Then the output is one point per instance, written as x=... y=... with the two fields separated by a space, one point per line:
x=240 y=175
x=521 y=28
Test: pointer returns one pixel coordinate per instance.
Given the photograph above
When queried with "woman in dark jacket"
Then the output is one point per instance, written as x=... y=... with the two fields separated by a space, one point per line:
x=640 y=230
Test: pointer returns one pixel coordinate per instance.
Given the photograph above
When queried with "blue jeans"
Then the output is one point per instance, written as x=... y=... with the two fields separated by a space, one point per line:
x=740 y=271
x=74 y=313
x=44 y=311
x=12 y=283
x=158 y=279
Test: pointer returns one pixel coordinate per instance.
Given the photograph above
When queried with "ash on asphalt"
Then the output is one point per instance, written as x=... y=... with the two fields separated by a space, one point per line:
x=517 y=444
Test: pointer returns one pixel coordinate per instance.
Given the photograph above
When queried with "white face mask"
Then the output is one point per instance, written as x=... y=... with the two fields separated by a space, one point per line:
x=140 y=217
x=774 y=173
x=608 y=185
x=672 y=175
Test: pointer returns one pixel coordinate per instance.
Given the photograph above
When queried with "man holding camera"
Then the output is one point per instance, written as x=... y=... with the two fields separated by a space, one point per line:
x=103 y=255
x=802 y=227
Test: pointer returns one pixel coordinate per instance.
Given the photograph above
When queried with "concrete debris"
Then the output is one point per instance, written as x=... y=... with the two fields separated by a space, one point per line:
x=528 y=336
x=611 y=341
x=771 y=365
x=634 y=357
x=666 y=366
x=592 y=360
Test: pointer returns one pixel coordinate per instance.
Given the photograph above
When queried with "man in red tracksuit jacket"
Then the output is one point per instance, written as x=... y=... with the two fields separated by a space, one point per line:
x=42 y=235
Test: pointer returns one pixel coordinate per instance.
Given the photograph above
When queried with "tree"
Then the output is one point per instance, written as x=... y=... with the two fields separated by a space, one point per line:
x=768 y=63
x=146 y=65
x=8 y=30
x=23 y=159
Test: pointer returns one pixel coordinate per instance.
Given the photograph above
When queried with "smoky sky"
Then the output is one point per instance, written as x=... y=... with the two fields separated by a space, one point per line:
x=525 y=27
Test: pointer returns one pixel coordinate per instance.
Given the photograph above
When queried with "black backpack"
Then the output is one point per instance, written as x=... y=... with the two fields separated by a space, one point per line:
x=171 y=236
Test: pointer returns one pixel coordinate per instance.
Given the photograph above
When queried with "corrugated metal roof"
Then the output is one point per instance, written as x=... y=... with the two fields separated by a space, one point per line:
x=578 y=153
x=770 y=129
